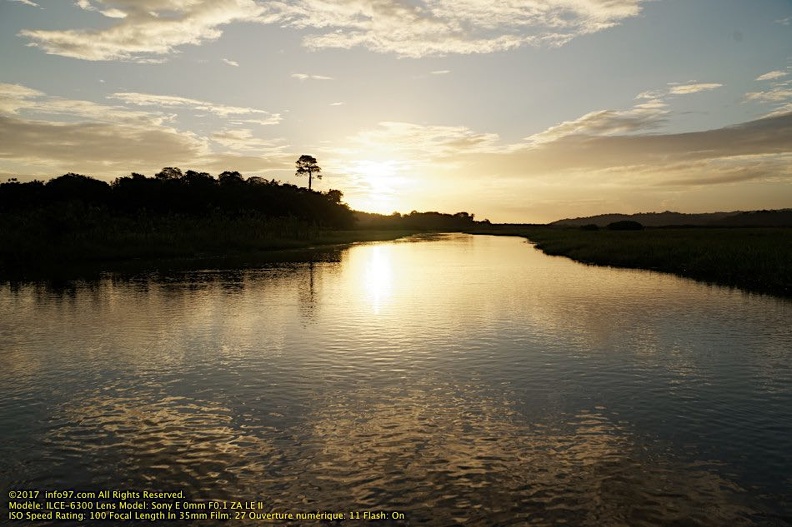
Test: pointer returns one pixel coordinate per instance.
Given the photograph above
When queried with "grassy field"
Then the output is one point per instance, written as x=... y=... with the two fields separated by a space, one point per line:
x=753 y=259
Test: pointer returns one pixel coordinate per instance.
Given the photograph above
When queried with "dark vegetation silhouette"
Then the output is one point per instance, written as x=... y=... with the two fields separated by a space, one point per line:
x=625 y=225
x=756 y=218
x=76 y=218
x=171 y=192
x=420 y=221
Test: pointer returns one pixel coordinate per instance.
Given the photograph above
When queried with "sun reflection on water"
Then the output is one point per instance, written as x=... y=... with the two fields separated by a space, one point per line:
x=379 y=277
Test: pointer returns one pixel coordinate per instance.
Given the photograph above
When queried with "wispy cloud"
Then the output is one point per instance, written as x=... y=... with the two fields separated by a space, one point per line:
x=243 y=140
x=146 y=30
x=18 y=100
x=231 y=62
x=46 y=131
x=86 y=5
x=95 y=146
x=439 y=27
x=306 y=76
x=171 y=101
x=761 y=137
x=606 y=122
x=772 y=75
x=647 y=115
x=778 y=93
x=54 y=135
x=693 y=87
x=424 y=143
x=26 y=2
x=441 y=72
x=149 y=30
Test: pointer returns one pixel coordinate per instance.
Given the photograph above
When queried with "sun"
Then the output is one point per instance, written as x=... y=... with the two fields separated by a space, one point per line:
x=383 y=181
x=379 y=174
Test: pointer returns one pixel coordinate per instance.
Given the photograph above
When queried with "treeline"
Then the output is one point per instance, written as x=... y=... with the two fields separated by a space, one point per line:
x=75 y=220
x=171 y=192
x=420 y=221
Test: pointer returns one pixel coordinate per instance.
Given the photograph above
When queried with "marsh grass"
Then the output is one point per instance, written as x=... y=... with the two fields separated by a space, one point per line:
x=753 y=259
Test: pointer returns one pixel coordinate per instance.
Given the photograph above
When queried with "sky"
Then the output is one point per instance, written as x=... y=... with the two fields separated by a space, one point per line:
x=515 y=111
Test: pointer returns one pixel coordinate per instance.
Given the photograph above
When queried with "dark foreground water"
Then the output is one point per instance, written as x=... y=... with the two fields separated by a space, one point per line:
x=465 y=380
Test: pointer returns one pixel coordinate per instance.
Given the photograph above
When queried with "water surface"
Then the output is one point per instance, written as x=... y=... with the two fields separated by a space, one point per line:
x=458 y=380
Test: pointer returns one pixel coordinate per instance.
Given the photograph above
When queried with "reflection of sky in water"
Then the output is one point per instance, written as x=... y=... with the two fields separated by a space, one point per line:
x=473 y=378
x=447 y=453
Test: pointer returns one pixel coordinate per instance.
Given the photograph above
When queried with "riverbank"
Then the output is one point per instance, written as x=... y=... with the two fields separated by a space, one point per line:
x=128 y=244
x=752 y=259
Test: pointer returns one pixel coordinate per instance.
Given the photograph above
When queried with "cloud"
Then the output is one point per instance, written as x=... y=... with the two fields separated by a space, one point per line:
x=337 y=103
x=101 y=146
x=772 y=75
x=774 y=95
x=306 y=76
x=608 y=141
x=441 y=72
x=640 y=118
x=646 y=116
x=86 y=5
x=27 y=2
x=243 y=140
x=748 y=165
x=170 y=101
x=686 y=89
x=420 y=143
x=52 y=135
x=16 y=99
x=43 y=130
x=146 y=29
x=231 y=62
x=657 y=153
x=114 y=13
x=778 y=94
x=610 y=159
x=440 y=27
x=735 y=169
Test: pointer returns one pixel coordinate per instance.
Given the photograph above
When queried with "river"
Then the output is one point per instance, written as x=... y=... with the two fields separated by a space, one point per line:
x=450 y=380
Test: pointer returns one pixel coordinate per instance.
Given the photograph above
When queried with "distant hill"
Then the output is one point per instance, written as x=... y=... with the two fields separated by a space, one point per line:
x=758 y=218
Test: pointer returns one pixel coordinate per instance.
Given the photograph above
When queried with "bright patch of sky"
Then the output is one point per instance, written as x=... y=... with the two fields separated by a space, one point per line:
x=515 y=110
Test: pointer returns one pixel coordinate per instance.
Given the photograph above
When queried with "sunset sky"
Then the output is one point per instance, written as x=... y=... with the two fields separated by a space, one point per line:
x=517 y=111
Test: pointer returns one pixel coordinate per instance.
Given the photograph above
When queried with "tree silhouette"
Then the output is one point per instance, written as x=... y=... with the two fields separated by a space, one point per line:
x=334 y=195
x=307 y=165
x=169 y=173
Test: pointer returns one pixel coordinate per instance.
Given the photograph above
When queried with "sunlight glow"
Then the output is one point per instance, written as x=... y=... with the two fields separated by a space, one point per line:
x=382 y=181
x=379 y=276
